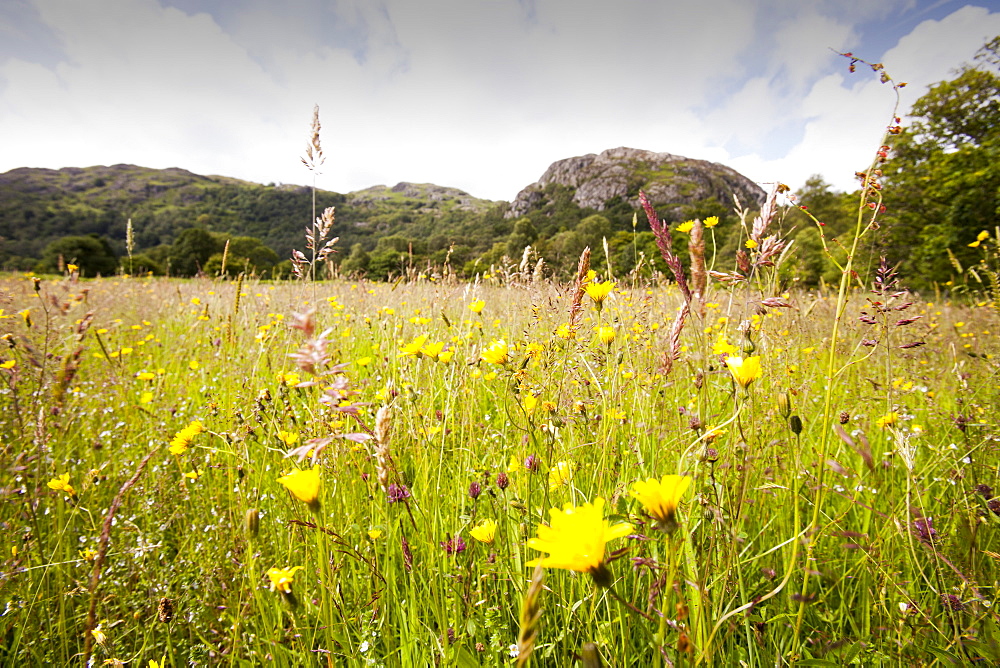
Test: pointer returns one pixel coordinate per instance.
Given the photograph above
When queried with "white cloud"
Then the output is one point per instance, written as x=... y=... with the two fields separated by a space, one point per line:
x=477 y=95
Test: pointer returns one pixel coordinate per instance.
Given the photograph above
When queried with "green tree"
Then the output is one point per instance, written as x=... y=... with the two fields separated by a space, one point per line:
x=93 y=254
x=944 y=180
x=191 y=250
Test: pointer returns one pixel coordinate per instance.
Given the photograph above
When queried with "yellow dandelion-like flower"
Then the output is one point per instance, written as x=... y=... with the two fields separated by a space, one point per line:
x=145 y=375
x=497 y=352
x=980 y=238
x=446 y=356
x=686 y=226
x=477 y=306
x=182 y=439
x=599 y=291
x=606 y=335
x=281 y=578
x=751 y=244
x=529 y=402
x=575 y=539
x=485 y=531
x=433 y=350
x=289 y=438
x=71 y=268
x=722 y=346
x=560 y=474
x=304 y=486
x=62 y=484
x=711 y=221
x=661 y=497
x=744 y=371
x=565 y=332
x=374 y=534
x=887 y=420
x=414 y=347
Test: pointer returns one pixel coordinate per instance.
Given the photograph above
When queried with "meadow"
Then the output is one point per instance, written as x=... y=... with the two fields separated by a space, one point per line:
x=238 y=472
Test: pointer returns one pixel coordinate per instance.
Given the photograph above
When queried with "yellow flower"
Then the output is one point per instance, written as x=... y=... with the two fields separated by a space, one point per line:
x=145 y=375
x=304 y=486
x=182 y=439
x=560 y=474
x=374 y=534
x=606 y=335
x=281 y=578
x=564 y=331
x=660 y=498
x=496 y=353
x=477 y=306
x=980 y=238
x=711 y=221
x=414 y=347
x=722 y=346
x=599 y=291
x=744 y=371
x=887 y=420
x=145 y=397
x=9 y=364
x=363 y=361
x=446 y=356
x=72 y=268
x=686 y=226
x=432 y=350
x=193 y=365
x=288 y=437
x=62 y=484
x=575 y=539
x=751 y=244
x=485 y=531
x=534 y=349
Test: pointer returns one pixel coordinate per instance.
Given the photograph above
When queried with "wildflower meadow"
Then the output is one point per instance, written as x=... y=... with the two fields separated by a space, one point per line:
x=700 y=468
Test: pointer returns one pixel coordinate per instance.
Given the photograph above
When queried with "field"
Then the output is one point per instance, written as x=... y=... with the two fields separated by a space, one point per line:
x=213 y=472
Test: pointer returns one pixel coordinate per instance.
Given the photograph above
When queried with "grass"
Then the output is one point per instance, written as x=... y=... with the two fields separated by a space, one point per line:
x=171 y=551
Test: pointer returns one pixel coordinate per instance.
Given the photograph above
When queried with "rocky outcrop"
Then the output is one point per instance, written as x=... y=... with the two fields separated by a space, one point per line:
x=618 y=174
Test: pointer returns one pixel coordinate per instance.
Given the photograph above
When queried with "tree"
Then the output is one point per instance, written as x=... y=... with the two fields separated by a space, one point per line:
x=943 y=185
x=92 y=254
x=191 y=250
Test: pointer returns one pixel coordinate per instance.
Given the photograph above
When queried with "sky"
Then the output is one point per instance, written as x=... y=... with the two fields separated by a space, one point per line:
x=481 y=95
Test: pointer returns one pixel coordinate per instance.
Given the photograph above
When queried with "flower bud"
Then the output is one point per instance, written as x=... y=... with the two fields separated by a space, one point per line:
x=795 y=424
x=251 y=522
x=784 y=404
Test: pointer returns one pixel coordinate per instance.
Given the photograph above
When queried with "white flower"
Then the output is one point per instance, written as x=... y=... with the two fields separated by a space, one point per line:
x=514 y=651
x=364 y=647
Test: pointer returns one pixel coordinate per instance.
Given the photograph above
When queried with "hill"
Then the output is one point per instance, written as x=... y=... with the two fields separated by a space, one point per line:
x=578 y=201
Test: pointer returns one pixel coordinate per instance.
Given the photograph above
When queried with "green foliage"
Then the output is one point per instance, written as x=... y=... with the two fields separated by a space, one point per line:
x=944 y=179
x=93 y=254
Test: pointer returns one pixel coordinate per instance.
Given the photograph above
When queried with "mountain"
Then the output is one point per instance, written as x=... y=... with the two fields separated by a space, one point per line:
x=578 y=202
x=600 y=181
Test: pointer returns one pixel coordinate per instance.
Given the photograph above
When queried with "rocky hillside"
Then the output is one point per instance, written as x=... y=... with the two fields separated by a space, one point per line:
x=617 y=175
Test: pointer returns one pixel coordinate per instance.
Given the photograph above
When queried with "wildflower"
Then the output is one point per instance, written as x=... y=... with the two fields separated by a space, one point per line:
x=414 y=347
x=496 y=353
x=485 y=531
x=182 y=439
x=887 y=420
x=565 y=332
x=751 y=244
x=433 y=350
x=289 y=438
x=304 y=486
x=363 y=361
x=100 y=637
x=660 y=498
x=62 y=484
x=980 y=238
x=374 y=534
x=531 y=464
x=397 y=493
x=88 y=554
x=711 y=221
x=599 y=292
x=475 y=489
x=477 y=306
x=281 y=578
x=9 y=364
x=606 y=335
x=560 y=474
x=575 y=539
x=72 y=268
x=686 y=226
x=503 y=480
x=744 y=371
x=722 y=346
x=453 y=545
x=529 y=402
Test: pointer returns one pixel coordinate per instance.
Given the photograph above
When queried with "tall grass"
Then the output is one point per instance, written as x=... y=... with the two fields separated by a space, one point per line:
x=902 y=570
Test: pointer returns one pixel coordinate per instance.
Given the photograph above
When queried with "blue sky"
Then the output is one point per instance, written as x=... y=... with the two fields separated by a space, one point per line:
x=478 y=94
